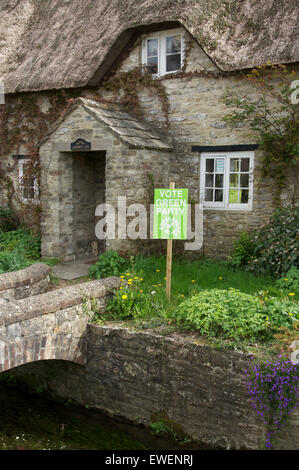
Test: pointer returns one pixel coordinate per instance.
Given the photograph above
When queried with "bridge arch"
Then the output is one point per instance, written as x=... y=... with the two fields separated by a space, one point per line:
x=51 y=325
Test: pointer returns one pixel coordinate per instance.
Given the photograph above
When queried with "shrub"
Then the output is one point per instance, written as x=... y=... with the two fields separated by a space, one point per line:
x=8 y=220
x=109 y=264
x=232 y=314
x=243 y=250
x=290 y=281
x=23 y=239
x=275 y=243
x=13 y=260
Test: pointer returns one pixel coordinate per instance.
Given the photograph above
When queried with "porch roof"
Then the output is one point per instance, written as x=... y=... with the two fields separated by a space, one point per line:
x=128 y=129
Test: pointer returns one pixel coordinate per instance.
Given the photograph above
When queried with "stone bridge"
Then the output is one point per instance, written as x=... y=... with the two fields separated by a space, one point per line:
x=51 y=325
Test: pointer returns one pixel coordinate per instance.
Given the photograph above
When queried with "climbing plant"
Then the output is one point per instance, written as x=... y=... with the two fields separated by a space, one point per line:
x=270 y=112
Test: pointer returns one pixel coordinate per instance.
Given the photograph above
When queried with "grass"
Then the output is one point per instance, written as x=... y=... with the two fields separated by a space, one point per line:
x=188 y=277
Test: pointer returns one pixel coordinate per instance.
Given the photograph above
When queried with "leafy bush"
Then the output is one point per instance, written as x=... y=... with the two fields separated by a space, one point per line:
x=275 y=243
x=232 y=314
x=23 y=239
x=109 y=264
x=13 y=260
x=8 y=220
x=243 y=250
x=290 y=281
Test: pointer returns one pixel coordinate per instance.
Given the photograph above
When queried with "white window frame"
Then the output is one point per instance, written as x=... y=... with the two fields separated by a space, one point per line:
x=161 y=37
x=225 y=205
x=35 y=199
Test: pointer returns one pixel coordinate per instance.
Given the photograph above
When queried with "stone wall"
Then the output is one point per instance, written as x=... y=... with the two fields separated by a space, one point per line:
x=25 y=282
x=196 y=118
x=144 y=377
x=51 y=325
x=72 y=183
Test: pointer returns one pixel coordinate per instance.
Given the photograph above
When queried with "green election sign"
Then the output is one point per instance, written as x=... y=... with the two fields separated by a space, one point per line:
x=171 y=214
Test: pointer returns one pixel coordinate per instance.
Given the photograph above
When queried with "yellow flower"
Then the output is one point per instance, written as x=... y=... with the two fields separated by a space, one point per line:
x=290 y=314
x=122 y=277
x=141 y=279
x=124 y=296
x=165 y=278
x=220 y=278
x=130 y=280
x=182 y=295
x=193 y=280
x=127 y=274
x=136 y=277
x=120 y=287
x=122 y=280
x=291 y=293
x=141 y=290
x=286 y=279
x=158 y=270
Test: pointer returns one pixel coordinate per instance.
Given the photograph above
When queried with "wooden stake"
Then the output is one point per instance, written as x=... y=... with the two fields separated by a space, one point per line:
x=169 y=260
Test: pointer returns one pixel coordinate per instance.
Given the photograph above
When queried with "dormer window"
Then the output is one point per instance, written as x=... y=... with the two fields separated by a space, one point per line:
x=163 y=52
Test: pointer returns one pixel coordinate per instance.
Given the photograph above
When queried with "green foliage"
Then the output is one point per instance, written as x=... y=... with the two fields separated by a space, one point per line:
x=275 y=243
x=270 y=113
x=13 y=260
x=132 y=302
x=109 y=264
x=232 y=314
x=8 y=220
x=290 y=281
x=23 y=239
x=242 y=251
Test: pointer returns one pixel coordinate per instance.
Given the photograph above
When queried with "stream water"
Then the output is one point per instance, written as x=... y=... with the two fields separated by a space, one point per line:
x=29 y=422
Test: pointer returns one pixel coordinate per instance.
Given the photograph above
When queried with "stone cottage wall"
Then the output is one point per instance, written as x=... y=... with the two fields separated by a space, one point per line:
x=196 y=118
x=72 y=183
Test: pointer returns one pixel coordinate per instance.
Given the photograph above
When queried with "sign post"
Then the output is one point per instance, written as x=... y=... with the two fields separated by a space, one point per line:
x=170 y=221
x=169 y=259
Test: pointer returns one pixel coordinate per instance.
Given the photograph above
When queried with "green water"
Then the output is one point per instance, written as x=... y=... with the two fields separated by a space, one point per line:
x=33 y=423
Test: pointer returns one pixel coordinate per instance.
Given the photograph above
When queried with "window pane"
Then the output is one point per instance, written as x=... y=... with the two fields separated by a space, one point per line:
x=209 y=181
x=244 y=181
x=244 y=164
x=219 y=181
x=173 y=44
x=152 y=47
x=244 y=196
x=209 y=195
x=233 y=181
x=210 y=165
x=173 y=62
x=152 y=64
x=234 y=164
x=218 y=195
x=233 y=196
x=219 y=165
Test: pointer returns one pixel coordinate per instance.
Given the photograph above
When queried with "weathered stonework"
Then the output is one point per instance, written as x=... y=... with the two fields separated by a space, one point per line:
x=50 y=325
x=73 y=184
x=25 y=282
x=143 y=376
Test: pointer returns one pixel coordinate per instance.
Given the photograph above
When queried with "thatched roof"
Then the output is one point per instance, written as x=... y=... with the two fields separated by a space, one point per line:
x=50 y=44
